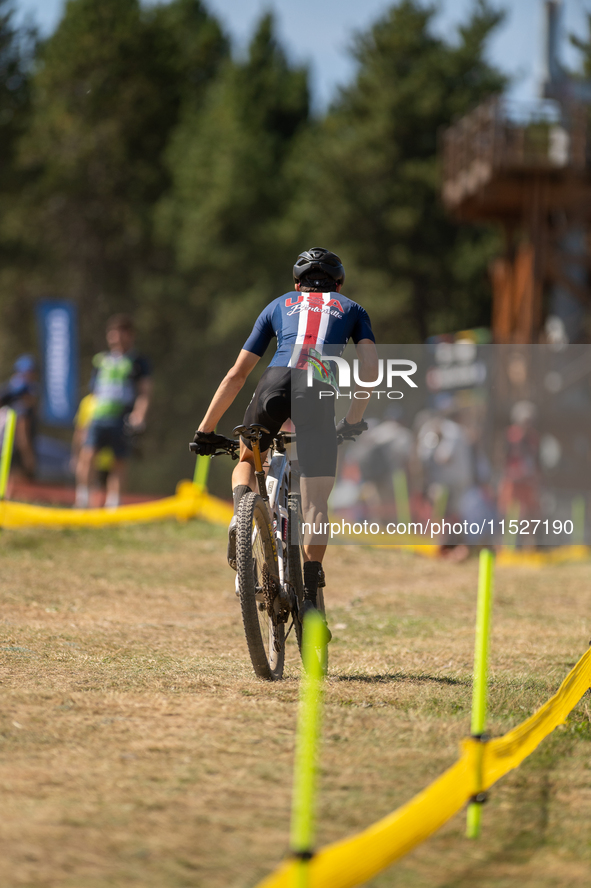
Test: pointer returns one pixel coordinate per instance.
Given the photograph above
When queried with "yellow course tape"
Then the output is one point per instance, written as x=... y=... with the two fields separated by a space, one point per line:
x=506 y=557
x=353 y=861
x=189 y=502
x=539 y=558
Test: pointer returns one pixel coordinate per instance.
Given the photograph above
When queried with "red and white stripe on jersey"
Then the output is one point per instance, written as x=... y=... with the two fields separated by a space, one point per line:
x=312 y=326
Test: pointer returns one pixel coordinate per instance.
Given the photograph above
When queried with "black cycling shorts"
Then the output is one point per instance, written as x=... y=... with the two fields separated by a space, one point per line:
x=282 y=394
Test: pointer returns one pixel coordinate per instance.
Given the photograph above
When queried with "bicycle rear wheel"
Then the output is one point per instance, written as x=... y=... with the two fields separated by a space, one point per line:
x=294 y=561
x=295 y=558
x=256 y=565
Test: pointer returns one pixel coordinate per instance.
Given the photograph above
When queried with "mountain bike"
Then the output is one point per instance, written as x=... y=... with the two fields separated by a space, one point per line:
x=269 y=550
x=269 y=578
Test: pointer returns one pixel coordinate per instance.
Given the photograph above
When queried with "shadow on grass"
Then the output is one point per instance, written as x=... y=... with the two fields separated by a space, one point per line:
x=519 y=847
x=523 y=828
x=386 y=677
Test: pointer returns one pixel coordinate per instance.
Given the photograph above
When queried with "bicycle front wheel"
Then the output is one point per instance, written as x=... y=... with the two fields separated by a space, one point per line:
x=256 y=565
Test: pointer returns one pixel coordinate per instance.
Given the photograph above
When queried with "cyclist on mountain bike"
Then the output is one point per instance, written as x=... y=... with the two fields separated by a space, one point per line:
x=313 y=316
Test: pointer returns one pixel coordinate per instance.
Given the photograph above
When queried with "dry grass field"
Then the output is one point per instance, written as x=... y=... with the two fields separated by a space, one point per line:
x=138 y=749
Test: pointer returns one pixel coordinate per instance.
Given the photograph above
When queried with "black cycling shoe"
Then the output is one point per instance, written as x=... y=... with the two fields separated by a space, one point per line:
x=232 y=543
x=305 y=607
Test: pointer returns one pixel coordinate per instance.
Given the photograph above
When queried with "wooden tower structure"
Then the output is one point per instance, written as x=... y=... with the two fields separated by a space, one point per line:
x=529 y=170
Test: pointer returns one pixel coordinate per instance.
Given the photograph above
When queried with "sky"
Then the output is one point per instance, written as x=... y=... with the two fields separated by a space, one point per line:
x=320 y=32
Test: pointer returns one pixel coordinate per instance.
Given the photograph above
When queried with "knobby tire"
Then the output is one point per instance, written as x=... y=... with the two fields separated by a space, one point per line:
x=255 y=556
x=295 y=556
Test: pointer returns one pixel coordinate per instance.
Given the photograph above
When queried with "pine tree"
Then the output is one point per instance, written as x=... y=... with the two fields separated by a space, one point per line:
x=17 y=47
x=196 y=47
x=229 y=190
x=159 y=175
x=223 y=218
x=372 y=177
x=106 y=95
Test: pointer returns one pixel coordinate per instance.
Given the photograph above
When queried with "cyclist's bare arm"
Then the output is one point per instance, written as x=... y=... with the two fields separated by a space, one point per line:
x=368 y=369
x=228 y=389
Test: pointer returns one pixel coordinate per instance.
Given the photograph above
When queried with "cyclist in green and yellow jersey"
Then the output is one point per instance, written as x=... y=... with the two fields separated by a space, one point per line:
x=122 y=388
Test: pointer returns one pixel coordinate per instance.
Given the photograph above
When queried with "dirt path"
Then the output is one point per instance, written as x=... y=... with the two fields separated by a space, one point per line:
x=137 y=748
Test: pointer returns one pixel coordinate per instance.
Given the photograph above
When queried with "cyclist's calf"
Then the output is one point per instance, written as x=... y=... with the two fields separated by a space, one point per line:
x=315 y=493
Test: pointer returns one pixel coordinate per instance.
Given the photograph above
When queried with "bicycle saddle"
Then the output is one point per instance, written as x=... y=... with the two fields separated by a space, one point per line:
x=252 y=432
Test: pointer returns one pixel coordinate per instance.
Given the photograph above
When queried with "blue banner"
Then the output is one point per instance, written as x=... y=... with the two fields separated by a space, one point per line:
x=58 y=335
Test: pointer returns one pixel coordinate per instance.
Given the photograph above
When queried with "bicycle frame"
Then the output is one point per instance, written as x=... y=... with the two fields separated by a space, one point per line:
x=274 y=487
x=277 y=490
x=269 y=578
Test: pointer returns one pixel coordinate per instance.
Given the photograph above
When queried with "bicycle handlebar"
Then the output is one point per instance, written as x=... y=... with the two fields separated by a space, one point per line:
x=227 y=446
x=230 y=446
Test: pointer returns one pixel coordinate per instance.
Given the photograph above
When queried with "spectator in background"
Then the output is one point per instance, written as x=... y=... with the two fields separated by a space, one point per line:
x=105 y=458
x=381 y=452
x=122 y=388
x=519 y=494
x=21 y=392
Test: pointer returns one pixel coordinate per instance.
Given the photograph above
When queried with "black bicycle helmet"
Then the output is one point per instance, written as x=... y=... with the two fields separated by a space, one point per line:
x=318 y=263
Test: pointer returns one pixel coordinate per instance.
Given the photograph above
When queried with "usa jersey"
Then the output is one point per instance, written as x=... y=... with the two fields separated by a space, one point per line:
x=308 y=319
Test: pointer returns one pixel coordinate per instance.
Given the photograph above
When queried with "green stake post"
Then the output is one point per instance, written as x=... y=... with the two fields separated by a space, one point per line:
x=578 y=513
x=401 y=496
x=306 y=752
x=512 y=515
x=440 y=504
x=7 y=446
x=201 y=472
x=479 y=695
